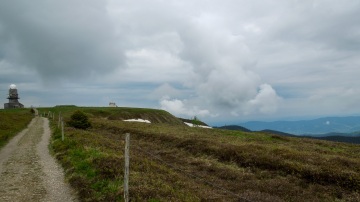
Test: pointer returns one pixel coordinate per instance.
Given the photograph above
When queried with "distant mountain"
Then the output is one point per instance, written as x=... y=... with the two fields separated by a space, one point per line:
x=234 y=127
x=353 y=138
x=336 y=137
x=313 y=127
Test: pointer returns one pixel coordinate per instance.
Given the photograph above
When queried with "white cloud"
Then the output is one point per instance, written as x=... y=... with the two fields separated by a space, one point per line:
x=166 y=90
x=266 y=101
x=160 y=66
x=179 y=108
x=229 y=88
x=252 y=28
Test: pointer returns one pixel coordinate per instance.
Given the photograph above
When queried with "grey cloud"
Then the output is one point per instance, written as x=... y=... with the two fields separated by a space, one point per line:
x=165 y=90
x=223 y=64
x=223 y=56
x=221 y=61
x=326 y=23
x=60 y=39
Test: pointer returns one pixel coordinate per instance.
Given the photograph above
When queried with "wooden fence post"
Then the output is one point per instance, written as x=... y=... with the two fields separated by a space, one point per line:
x=59 y=119
x=62 y=130
x=126 y=172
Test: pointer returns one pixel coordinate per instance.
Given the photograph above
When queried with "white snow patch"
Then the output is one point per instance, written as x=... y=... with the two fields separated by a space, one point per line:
x=138 y=120
x=189 y=124
x=200 y=126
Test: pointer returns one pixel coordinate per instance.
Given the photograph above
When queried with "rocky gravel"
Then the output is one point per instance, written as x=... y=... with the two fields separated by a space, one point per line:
x=27 y=170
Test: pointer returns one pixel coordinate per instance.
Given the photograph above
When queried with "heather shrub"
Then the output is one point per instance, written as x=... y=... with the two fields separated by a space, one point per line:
x=79 y=120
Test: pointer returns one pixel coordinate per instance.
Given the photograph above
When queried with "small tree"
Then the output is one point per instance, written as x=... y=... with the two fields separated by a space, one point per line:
x=196 y=121
x=79 y=120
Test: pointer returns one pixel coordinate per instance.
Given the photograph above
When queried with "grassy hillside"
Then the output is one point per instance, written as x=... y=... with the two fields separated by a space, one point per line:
x=12 y=121
x=173 y=162
x=119 y=113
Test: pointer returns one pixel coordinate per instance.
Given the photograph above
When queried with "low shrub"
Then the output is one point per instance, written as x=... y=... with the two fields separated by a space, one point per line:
x=79 y=120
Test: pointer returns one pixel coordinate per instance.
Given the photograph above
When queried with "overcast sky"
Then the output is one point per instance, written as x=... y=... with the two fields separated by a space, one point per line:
x=225 y=61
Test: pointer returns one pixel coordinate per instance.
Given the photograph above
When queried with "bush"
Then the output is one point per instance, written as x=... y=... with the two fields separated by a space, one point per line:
x=79 y=120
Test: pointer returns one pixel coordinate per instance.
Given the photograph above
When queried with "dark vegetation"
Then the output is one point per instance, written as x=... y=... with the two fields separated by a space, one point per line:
x=353 y=140
x=79 y=120
x=12 y=121
x=172 y=162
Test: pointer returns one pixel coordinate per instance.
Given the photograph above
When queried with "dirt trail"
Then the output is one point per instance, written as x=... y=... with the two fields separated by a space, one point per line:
x=28 y=172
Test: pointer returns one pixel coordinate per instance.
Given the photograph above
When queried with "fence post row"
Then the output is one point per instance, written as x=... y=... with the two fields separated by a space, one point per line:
x=127 y=154
x=126 y=171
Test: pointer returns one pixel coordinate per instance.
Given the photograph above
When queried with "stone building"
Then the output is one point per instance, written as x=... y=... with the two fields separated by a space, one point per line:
x=112 y=104
x=13 y=98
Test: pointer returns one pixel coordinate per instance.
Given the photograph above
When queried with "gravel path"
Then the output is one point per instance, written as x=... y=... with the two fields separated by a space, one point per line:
x=28 y=172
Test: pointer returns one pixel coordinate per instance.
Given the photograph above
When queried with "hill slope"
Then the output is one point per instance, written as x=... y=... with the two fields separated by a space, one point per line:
x=119 y=113
x=124 y=113
x=173 y=162
x=234 y=127
x=13 y=121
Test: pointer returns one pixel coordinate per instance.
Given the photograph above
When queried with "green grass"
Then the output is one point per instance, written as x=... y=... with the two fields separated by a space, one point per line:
x=173 y=162
x=12 y=121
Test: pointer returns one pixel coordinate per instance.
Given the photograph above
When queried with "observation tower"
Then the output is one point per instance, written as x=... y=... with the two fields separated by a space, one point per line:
x=13 y=98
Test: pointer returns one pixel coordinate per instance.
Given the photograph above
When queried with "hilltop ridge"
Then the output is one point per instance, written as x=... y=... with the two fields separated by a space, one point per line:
x=124 y=113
